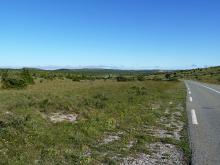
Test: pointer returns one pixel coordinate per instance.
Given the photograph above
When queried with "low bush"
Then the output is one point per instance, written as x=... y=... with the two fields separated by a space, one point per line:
x=26 y=76
x=140 y=78
x=121 y=78
x=13 y=83
x=75 y=78
x=124 y=79
x=17 y=81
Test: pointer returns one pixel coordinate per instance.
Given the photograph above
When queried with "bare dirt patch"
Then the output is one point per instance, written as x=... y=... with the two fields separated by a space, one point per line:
x=111 y=138
x=59 y=117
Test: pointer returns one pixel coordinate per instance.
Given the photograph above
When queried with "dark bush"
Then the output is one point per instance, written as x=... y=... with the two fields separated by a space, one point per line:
x=26 y=76
x=75 y=78
x=10 y=120
x=168 y=76
x=140 y=78
x=121 y=78
x=13 y=83
x=16 y=80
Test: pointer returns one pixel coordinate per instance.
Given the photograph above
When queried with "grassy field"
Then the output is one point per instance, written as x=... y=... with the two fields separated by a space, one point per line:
x=114 y=121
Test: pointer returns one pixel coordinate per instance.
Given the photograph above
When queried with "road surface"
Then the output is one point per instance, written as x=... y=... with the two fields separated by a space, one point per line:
x=203 y=107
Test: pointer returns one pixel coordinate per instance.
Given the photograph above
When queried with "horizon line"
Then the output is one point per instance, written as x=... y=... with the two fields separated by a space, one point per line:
x=51 y=67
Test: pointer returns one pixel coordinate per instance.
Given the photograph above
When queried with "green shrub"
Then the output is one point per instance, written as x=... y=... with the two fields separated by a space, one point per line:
x=168 y=76
x=140 y=78
x=75 y=78
x=16 y=80
x=13 y=121
x=26 y=76
x=12 y=81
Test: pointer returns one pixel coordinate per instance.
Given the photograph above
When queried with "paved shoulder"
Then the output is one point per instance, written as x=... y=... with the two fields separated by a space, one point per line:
x=203 y=106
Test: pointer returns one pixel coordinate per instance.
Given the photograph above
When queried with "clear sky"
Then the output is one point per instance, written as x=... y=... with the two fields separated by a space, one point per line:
x=114 y=33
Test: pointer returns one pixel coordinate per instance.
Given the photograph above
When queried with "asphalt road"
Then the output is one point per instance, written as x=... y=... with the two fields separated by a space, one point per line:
x=203 y=107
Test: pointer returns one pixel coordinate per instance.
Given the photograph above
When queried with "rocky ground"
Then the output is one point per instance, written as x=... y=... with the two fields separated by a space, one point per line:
x=159 y=153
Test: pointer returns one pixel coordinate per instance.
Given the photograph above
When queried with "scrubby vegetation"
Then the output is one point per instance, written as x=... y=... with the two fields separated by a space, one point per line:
x=92 y=116
x=210 y=75
x=16 y=80
x=113 y=119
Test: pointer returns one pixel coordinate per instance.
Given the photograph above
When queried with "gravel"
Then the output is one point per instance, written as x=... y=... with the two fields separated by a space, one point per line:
x=161 y=154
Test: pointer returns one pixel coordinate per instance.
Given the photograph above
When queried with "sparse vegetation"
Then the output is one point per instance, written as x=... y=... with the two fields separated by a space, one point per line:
x=102 y=116
x=209 y=75
x=113 y=119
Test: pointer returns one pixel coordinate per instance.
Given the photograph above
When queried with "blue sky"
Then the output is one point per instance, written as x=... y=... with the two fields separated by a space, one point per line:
x=110 y=33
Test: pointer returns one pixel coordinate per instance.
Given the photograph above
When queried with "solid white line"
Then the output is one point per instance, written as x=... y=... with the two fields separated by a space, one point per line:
x=190 y=99
x=210 y=88
x=194 y=118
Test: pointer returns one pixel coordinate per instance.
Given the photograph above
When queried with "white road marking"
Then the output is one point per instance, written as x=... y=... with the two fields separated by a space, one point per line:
x=190 y=92
x=190 y=99
x=210 y=88
x=194 y=118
